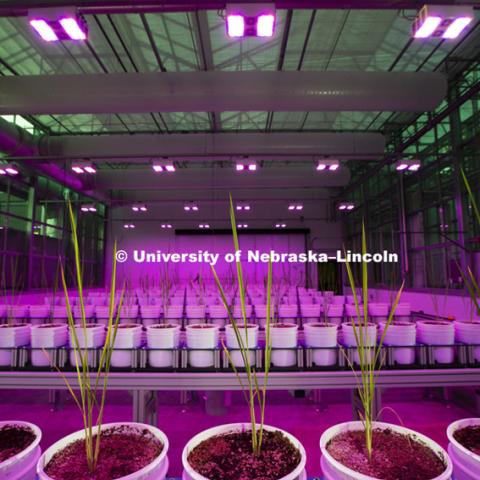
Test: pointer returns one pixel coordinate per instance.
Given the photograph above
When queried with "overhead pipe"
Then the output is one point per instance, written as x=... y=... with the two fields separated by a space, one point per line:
x=17 y=142
x=221 y=91
x=21 y=7
x=211 y=145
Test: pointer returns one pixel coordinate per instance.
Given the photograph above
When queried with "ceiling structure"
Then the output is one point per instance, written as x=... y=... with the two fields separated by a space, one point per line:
x=174 y=46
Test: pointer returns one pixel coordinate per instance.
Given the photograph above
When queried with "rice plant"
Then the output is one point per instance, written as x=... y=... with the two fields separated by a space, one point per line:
x=90 y=383
x=368 y=355
x=468 y=277
x=254 y=391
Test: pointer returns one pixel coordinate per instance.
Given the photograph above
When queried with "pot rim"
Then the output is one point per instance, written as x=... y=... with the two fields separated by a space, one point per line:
x=79 y=434
x=38 y=434
x=202 y=326
x=328 y=434
x=457 y=425
x=219 y=429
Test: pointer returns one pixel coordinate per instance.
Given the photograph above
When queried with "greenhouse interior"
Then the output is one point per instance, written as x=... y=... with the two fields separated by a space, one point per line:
x=239 y=241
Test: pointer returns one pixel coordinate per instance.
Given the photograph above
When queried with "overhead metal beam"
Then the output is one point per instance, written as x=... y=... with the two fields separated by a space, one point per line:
x=220 y=91
x=210 y=145
x=20 y=7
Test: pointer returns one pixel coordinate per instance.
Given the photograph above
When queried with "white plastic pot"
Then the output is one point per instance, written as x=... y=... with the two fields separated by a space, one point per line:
x=162 y=336
x=401 y=334
x=22 y=466
x=305 y=299
x=102 y=313
x=261 y=313
x=17 y=312
x=402 y=312
x=11 y=337
x=251 y=334
x=351 y=310
x=94 y=338
x=150 y=312
x=338 y=299
x=38 y=313
x=202 y=340
x=173 y=313
x=322 y=336
x=128 y=313
x=156 y=470
x=218 y=314
x=127 y=339
x=88 y=309
x=284 y=335
x=60 y=312
x=190 y=474
x=237 y=311
x=334 y=313
x=334 y=470
x=289 y=312
x=310 y=312
x=378 y=312
x=48 y=335
x=438 y=333
x=466 y=464
x=369 y=339
x=469 y=333
x=195 y=313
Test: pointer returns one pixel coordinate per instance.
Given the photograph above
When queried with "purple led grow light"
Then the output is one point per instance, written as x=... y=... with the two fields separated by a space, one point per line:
x=44 y=30
x=72 y=28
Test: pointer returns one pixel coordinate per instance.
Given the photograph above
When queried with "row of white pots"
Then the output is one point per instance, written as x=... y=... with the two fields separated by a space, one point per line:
x=205 y=337
x=465 y=463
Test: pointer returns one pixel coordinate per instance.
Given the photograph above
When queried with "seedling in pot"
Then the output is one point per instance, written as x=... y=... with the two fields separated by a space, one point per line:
x=369 y=358
x=89 y=385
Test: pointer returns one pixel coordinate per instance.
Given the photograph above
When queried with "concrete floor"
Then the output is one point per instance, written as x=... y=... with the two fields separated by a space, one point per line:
x=300 y=416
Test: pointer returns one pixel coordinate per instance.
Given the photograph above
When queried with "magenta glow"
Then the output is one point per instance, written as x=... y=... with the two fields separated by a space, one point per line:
x=265 y=25
x=72 y=28
x=235 y=26
x=428 y=27
x=44 y=30
x=457 y=27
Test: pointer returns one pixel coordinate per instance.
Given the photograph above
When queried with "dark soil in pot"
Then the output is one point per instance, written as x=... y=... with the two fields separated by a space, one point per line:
x=123 y=451
x=469 y=437
x=14 y=439
x=229 y=457
x=395 y=456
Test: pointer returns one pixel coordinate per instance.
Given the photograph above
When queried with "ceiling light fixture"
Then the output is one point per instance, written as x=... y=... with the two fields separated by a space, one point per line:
x=190 y=207
x=163 y=166
x=54 y=24
x=346 y=206
x=88 y=207
x=166 y=225
x=280 y=225
x=242 y=225
x=327 y=165
x=129 y=225
x=203 y=225
x=250 y=20
x=139 y=207
x=445 y=21
x=9 y=169
x=407 y=165
x=83 y=166
x=295 y=206
x=246 y=165
x=242 y=207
